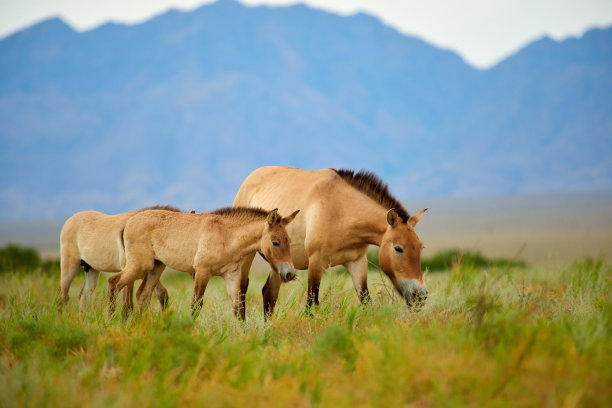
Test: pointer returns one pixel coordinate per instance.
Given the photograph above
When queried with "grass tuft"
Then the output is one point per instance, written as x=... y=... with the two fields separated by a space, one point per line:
x=494 y=335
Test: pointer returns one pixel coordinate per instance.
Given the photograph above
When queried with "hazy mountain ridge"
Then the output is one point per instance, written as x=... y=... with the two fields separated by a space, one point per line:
x=182 y=107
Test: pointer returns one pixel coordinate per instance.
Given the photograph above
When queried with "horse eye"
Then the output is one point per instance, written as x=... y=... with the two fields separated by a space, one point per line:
x=398 y=249
x=275 y=243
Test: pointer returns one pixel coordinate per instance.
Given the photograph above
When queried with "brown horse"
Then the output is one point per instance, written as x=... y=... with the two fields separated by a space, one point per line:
x=203 y=245
x=343 y=212
x=95 y=241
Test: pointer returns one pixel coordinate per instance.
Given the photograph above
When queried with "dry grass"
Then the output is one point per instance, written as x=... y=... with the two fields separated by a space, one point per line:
x=532 y=337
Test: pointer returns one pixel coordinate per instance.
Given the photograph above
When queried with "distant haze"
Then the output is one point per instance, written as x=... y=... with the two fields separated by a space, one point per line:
x=540 y=229
x=181 y=108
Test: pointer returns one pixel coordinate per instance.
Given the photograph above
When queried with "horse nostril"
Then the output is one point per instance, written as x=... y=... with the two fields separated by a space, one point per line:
x=424 y=293
x=290 y=276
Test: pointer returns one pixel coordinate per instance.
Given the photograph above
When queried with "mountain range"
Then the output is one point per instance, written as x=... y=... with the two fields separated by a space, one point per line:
x=179 y=109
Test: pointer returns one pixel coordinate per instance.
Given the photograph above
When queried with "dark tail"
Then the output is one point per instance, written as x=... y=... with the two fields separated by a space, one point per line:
x=85 y=266
x=121 y=238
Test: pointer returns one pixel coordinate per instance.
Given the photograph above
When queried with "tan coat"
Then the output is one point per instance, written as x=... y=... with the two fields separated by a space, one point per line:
x=203 y=245
x=94 y=240
x=342 y=213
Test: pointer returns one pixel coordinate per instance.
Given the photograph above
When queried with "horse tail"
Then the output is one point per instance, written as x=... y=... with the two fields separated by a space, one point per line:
x=86 y=266
x=122 y=239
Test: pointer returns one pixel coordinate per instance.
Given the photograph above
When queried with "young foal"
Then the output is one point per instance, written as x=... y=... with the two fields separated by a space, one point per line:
x=95 y=241
x=203 y=244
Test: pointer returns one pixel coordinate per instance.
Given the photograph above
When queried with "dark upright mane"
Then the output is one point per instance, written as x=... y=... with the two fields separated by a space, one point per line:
x=372 y=186
x=160 y=207
x=241 y=212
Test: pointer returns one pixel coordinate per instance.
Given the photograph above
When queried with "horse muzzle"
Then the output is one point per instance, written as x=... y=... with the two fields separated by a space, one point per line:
x=413 y=292
x=287 y=272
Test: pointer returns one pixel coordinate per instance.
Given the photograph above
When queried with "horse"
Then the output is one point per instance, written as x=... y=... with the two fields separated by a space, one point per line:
x=343 y=213
x=203 y=245
x=95 y=241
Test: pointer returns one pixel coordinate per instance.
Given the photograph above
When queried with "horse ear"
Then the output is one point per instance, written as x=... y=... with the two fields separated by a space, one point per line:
x=416 y=218
x=273 y=216
x=287 y=220
x=392 y=217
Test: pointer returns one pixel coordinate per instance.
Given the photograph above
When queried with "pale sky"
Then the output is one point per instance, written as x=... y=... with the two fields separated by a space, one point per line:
x=483 y=32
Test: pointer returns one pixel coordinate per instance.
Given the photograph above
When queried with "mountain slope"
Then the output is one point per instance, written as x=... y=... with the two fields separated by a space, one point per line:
x=181 y=108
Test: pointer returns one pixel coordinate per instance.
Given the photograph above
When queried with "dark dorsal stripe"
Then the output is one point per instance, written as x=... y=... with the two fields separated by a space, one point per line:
x=241 y=212
x=160 y=207
x=371 y=185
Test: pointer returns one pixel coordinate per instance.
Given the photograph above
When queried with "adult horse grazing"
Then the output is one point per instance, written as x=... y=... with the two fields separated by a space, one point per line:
x=95 y=241
x=343 y=212
x=203 y=245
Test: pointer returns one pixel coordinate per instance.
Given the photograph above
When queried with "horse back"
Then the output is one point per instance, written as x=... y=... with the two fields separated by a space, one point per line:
x=170 y=237
x=321 y=196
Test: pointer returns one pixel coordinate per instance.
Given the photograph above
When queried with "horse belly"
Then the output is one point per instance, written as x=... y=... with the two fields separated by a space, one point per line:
x=102 y=256
x=343 y=256
x=178 y=259
x=227 y=268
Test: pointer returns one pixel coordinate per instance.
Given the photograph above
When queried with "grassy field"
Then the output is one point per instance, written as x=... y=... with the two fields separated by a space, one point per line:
x=518 y=337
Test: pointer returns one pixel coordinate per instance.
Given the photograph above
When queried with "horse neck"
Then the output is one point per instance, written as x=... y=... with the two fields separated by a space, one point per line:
x=246 y=236
x=368 y=222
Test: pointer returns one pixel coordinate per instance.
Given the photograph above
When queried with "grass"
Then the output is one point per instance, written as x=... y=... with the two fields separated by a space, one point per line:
x=518 y=337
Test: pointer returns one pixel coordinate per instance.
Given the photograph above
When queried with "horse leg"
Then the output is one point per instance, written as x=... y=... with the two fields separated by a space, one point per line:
x=91 y=281
x=233 y=282
x=70 y=265
x=128 y=299
x=149 y=283
x=245 y=268
x=142 y=286
x=119 y=281
x=162 y=295
x=359 y=274
x=270 y=294
x=201 y=279
x=314 y=280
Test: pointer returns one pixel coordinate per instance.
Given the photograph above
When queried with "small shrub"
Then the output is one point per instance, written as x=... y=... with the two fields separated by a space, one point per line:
x=15 y=257
x=20 y=259
x=50 y=266
x=444 y=260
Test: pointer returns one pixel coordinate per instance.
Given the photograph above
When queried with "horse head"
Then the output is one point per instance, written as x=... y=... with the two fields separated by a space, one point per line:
x=400 y=257
x=275 y=245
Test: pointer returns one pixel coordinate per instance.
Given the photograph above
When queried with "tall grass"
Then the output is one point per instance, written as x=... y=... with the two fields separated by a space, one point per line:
x=488 y=336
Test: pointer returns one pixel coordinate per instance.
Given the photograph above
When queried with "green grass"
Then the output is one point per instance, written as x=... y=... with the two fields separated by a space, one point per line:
x=488 y=336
